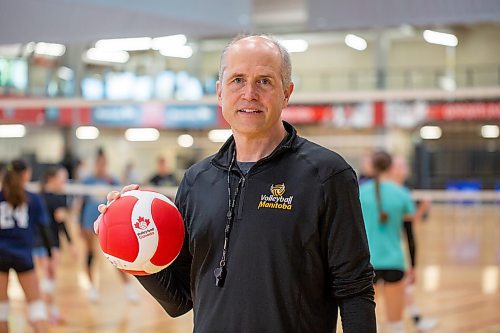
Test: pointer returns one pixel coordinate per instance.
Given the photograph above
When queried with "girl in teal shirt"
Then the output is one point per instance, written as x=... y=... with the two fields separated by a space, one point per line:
x=385 y=205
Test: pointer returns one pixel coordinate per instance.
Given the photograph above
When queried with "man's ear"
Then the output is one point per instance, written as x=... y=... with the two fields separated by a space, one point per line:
x=219 y=92
x=288 y=93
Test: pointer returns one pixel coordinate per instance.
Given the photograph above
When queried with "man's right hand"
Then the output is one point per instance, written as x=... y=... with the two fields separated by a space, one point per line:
x=111 y=197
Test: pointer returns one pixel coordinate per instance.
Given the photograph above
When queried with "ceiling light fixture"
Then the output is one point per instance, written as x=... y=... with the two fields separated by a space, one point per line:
x=180 y=51
x=219 y=135
x=168 y=41
x=295 y=45
x=355 y=42
x=125 y=44
x=185 y=140
x=50 y=49
x=490 y=131
x=142 y=134
x=87 y=132
x=430 y=132
x=101 y=55
x=12 y=131
x=440 y=38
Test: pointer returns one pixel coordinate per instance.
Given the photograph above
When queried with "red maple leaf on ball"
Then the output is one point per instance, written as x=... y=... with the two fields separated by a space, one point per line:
x=142 y=223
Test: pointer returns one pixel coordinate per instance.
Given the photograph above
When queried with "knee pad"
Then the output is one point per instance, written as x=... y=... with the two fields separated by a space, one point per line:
x=4 y=311
x=47 y=286
x=37 y=311
x=90 y=258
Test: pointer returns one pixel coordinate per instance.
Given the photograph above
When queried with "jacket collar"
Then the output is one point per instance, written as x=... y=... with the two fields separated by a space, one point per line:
x=223 y=157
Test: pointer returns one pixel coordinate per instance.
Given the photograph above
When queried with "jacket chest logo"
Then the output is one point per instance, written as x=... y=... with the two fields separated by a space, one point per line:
x=276 y=200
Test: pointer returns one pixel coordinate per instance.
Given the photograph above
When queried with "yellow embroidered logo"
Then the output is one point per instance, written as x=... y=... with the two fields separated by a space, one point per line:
x=276 y=200
x=278 y=190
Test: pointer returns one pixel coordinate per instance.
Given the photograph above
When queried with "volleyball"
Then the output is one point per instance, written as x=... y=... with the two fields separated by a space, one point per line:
x=141 y=232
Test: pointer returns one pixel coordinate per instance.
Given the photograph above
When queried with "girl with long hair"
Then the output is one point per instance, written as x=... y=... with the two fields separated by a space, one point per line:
x=52 y=187
x=385 y=206
x=21 y=214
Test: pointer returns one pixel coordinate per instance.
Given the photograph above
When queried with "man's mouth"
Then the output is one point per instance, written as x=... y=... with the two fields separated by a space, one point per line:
x=249 y=111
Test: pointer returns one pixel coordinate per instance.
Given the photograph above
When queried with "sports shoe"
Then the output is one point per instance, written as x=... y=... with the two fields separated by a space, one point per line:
x=426 y=324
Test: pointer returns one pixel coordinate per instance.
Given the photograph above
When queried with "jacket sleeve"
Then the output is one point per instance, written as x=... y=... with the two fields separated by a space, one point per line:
x=171 y=286
x=346 y=249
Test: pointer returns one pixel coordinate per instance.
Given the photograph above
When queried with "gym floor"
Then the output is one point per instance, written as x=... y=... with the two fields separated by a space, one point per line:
x=457 y=283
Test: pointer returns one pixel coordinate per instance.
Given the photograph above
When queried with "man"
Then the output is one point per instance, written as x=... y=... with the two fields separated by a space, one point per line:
x=275 y=240
x=163 y=176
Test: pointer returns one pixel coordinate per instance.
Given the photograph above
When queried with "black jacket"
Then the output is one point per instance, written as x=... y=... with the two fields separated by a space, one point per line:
x=297 y=248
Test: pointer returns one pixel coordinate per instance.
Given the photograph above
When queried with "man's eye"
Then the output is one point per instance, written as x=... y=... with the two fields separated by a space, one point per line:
x=238 y=80
x=264 y=81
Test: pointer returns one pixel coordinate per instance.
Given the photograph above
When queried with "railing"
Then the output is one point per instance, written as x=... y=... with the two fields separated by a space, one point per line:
x=397 y=78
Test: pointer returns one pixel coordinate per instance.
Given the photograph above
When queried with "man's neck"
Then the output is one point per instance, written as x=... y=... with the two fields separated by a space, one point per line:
x=252 y=149
x=49 y=188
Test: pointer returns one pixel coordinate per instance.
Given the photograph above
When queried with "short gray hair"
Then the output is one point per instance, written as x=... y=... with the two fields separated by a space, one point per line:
x=286 y=63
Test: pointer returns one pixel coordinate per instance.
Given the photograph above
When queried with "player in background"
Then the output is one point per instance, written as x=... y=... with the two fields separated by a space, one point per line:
x=21 y=214
x=163 y=175
x=399 y=174
x=89 y=214
x=52 y=191
x=385 y=204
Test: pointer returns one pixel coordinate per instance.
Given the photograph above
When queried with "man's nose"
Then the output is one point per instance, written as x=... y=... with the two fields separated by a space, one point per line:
x=250 y=91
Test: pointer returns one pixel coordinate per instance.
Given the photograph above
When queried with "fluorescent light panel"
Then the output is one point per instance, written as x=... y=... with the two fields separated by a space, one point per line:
x=168 y=41
x=12 y=131
x=87 y=132
x=219 y=135
x=141 y=43
x=355 y=42
x=440 y=38
x=490 y=131
x=430 y=132
x=103 y=55
x=50 y=49
x=125 y=44
x=10 y=50
x=180 y=51
x=185 y=140
x=142 y=134
x=295 y=45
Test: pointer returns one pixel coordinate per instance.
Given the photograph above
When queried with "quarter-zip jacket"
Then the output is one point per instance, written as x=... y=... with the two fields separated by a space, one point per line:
x=297 y=249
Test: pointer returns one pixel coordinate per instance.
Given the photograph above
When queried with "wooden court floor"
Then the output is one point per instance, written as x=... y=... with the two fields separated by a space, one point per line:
x=457 y=283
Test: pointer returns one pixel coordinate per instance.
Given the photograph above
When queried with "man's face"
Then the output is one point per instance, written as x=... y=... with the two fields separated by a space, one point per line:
x=100 y=166
x=251 y=92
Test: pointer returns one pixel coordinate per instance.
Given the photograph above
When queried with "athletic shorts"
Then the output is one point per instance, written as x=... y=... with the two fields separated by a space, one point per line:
x=388 y=275
x=19 y=264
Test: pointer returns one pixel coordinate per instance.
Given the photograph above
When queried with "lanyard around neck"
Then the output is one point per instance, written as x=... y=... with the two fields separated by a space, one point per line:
x=220 y=272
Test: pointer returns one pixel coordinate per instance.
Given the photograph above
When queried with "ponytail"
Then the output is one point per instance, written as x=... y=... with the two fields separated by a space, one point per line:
x=381 y=162
x=382 y=215
x=12 y=184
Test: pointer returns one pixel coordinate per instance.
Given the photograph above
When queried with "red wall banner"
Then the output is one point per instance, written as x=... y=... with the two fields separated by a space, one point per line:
x=464 y=111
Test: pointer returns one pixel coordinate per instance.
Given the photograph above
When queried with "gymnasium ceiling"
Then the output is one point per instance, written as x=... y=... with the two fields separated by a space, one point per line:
x=78 y=21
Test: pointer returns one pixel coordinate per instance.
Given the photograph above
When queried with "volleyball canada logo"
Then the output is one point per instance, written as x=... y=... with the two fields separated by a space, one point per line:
x=276 y=200
x=142 y=223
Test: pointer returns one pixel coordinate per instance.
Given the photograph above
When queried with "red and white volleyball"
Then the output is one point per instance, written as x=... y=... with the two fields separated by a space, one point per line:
x=141 y=232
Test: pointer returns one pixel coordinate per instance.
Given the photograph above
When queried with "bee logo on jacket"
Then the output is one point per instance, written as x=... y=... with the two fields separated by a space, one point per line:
x=278 y=190
x=276 y=200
